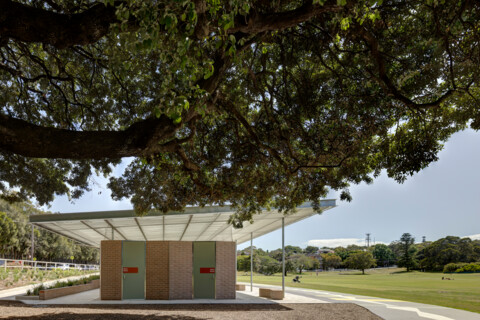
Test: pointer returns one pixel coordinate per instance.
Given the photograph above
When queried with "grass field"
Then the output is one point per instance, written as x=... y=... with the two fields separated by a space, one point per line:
x=425 y=287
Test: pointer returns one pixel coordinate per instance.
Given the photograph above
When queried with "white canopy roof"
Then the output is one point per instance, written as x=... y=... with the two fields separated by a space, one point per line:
x=193 y=224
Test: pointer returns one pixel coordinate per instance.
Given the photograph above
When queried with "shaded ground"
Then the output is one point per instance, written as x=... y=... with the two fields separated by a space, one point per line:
x=341 y=311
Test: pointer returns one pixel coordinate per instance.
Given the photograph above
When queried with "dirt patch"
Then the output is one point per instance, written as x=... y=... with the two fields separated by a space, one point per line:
x=320 y=311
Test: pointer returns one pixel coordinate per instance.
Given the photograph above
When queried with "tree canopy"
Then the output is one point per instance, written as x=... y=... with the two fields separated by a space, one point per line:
x=360 y=260
x=16 y=232
x=256 y=103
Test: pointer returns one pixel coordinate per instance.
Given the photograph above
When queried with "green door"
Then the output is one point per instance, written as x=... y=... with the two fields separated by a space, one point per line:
x=204 y=270
x=133 y=269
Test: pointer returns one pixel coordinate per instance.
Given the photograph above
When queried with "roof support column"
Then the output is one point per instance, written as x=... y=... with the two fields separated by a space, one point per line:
x=236 y=268
x=251 y=261
x=113 y=234
x=32 y=247
x=283 y=256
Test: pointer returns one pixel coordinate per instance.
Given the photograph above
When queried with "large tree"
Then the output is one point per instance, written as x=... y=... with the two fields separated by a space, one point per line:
x=448 y=250
x=360 y=260
x=407 y=253
x=254 y=102
x=383 y=254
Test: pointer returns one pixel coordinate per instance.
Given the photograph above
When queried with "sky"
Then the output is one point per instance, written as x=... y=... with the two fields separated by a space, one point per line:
x=441 y=200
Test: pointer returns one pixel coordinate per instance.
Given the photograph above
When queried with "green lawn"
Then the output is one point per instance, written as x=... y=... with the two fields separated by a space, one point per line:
x=425 y=287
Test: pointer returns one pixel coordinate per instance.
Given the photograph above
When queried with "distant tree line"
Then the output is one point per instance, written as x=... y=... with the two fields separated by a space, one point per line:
x=15 y=238
x=446 y=254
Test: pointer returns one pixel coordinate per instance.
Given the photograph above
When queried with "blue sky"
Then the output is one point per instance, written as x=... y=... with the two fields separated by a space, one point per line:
x=441 y=200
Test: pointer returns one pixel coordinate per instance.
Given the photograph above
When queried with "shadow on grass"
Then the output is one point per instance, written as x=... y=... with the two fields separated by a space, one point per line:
x=354 y=274
x=401 y=272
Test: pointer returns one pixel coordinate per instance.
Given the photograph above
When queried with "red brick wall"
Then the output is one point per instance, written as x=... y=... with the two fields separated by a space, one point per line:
x=181 y=268
x=169 y=269
x=157 y=267
x=225 y=270
x=110 y=270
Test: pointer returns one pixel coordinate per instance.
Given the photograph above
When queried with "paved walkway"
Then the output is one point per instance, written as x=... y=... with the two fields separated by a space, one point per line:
x=386 y=308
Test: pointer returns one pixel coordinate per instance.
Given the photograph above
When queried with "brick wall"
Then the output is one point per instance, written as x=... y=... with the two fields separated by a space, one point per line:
x=225 y=270
x=169 y=268
x=157 y=267
x=111 y=270
x=181 y=268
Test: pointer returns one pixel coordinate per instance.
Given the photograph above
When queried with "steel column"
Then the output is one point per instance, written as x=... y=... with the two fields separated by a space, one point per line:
x=283 y=256
x=251 y=261
x=32 y=247
x=236 y=267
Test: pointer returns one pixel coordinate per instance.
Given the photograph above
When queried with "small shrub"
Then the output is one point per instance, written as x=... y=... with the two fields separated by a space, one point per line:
x=471 y=267
x=452 y=267
x=61 y=284
x=36 y=290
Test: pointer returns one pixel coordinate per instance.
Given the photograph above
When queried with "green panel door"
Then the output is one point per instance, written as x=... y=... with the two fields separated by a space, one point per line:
x=133 y=269
x=204 y=270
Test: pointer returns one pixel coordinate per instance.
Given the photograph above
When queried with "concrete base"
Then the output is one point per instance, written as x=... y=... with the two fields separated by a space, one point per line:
x=240 y=287
x=274 y=294
x=246 y=297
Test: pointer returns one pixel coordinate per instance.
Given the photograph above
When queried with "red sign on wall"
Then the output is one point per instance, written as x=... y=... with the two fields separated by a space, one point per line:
x=130 y=270
x=207 y=270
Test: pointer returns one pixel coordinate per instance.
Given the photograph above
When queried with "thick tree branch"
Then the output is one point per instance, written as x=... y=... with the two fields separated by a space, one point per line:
x=261 y=22
x=29 y=24
x=140 y=139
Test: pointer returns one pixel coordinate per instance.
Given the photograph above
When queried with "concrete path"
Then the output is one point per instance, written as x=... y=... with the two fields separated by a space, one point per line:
x=386 y=308
x=245 y=297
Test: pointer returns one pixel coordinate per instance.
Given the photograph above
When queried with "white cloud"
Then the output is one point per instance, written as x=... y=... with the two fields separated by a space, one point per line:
x=340 y=242
x=474 y=236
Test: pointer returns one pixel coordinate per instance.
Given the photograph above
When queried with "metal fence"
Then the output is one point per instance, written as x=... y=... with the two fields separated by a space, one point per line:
x=45 y=265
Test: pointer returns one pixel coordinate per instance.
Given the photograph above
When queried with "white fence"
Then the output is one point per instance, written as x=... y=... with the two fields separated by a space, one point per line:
x=45 y=265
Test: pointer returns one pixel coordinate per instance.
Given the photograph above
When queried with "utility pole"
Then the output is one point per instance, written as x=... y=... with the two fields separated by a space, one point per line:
x=368 y=240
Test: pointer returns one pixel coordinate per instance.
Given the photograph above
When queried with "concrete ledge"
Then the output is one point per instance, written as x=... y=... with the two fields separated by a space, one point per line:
x=264 y=293
x=274 y=294
x=65 y=291
x=240 y=287
x=22 y=297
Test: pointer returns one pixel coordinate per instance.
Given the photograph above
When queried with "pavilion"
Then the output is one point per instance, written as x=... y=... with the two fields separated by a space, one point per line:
x=173 y=255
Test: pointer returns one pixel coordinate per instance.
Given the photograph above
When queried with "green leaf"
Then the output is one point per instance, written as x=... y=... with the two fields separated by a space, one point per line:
x=209 y=72
x=157 y=112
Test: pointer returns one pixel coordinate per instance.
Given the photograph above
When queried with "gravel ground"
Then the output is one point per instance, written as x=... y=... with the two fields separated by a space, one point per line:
x=341 y=311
